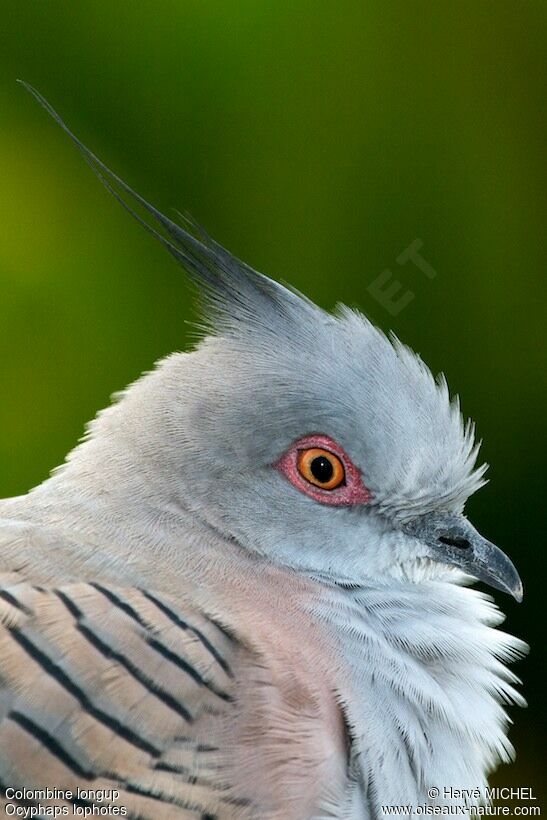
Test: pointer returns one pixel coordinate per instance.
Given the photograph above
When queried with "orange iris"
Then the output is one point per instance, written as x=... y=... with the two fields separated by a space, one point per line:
x=321 y=468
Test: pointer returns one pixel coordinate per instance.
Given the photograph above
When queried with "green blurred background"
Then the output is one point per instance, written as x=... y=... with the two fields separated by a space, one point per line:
x=316 y=140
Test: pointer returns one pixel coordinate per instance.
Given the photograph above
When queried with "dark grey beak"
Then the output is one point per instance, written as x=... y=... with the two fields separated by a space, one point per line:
x=453 y=540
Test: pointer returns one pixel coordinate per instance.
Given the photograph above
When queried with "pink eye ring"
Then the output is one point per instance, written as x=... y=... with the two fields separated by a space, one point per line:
x=320 y=468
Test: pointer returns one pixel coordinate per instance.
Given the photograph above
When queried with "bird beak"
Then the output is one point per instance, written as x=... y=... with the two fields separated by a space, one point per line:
x=453 y=540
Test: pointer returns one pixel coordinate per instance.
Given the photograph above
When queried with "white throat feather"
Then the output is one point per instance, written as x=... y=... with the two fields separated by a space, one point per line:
x=427 y=687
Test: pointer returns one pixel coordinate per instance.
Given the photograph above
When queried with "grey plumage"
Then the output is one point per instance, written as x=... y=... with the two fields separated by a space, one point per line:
x=324 y=646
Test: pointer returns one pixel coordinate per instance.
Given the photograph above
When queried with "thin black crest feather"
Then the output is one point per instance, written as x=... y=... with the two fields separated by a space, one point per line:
x=229 y=285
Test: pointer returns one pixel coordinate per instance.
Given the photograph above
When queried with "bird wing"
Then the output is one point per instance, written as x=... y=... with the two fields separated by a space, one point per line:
x=108 y=687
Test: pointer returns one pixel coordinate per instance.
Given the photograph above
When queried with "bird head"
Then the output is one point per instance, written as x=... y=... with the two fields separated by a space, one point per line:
x=311 y=439
x=328 y=447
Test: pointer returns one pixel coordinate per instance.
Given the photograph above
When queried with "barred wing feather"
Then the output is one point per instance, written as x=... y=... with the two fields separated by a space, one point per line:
x=103 y=687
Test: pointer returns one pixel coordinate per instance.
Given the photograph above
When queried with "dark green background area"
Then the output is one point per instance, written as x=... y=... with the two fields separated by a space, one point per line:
x=316 y=140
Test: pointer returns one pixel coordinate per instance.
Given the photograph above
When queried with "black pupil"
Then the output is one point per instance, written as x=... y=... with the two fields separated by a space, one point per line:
x=322 y=469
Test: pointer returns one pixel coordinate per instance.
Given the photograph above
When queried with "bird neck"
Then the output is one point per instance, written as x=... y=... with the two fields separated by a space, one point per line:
x=425 y=686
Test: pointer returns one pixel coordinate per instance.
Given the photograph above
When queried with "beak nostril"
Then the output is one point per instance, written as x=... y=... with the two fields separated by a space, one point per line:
x=456 y=541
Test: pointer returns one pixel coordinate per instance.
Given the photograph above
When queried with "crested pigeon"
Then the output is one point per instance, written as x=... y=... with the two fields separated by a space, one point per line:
x=246 y=594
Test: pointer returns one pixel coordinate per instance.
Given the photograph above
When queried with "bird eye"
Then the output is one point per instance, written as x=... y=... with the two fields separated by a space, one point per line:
x=317 y=463
x=321 y=468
